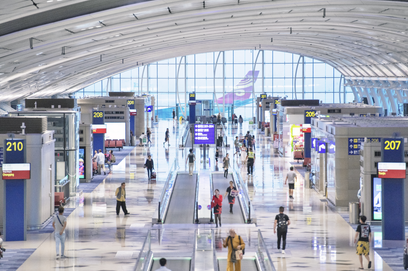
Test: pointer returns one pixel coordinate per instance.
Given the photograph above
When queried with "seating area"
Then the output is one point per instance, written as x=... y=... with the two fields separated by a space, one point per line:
x=114 y=143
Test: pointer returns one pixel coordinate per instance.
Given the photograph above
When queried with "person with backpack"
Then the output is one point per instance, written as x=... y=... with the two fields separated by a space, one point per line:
x=149 y=165
x=363 y=233
x=235 y=244
x=281 y=225
x=216 y=203
x=191 y=159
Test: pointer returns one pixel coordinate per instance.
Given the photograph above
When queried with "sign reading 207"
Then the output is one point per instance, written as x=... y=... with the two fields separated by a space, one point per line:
x=392 y=144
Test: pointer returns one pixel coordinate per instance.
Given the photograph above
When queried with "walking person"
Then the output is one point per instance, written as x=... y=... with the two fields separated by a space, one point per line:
x=149 y=166
x=236 y=144
x=231 y=192
x=291 y=178
x=243 y=154
x=240 y=120
x=101 y=162
x=163 y=262
x=363 y=233
x=234 y=242
x=191 y=159
x=111 y=160
x=59 y=224
x=167 y=137
x=250 y=161
x=226 y=164
x=108 y=160
x=148 y=133
x=216 y=203
x=121 y=199
x=217 y=155
x=249 y=140
x=95 y=157
x=253 y=141
x=281 y=225
x=174 y=117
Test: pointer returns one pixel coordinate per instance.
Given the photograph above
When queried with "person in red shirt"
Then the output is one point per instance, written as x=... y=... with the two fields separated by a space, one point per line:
x=216 y=203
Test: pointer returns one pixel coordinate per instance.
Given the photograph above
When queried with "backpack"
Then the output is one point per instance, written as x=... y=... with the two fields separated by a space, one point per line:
x=113 y=158
x=282 y=223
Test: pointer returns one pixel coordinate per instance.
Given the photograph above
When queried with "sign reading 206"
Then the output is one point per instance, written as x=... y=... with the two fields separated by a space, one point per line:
x=310 y=114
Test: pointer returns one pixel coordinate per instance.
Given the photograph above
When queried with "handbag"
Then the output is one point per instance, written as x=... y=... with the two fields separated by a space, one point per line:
x=239 y=255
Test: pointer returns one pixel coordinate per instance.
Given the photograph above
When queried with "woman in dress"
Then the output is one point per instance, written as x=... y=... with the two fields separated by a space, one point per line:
x=231 y=192
x=243 y=154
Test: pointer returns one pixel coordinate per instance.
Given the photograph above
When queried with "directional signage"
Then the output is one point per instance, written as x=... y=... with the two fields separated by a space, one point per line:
x=314 y=140
x=392 y=170
x=354 y=144
x=99 y=128
x=204 y=134
x=321 y=147
x=332 y=147
x=98 y=117
x=16 y=171
x=309 y=114
x=263 y=96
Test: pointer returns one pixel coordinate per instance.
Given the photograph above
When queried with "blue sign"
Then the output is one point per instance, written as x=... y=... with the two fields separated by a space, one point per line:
x=321 y=147
x=314 y=140
x=354 y=144
x=204 y=134
x=209 y=207
x=98 y=117
x=14 y=150
x=1 y=156
x=149 y=108
x=131 y=104
x=332 y=147
x=199 y=207
x=192 y=97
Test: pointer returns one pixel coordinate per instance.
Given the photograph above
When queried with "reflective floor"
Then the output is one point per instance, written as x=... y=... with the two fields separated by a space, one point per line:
x=97 y=239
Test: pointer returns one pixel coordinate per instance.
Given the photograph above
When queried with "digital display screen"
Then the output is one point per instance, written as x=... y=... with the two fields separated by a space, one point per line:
x=115 y=130
x=81 y=162
x=377 y=214
x=204 y=134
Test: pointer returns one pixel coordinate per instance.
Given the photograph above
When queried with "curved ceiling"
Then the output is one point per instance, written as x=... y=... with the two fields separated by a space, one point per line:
x=57 y=47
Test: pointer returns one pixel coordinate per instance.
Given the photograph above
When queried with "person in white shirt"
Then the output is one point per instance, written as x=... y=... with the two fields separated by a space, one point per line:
x=101 y=162
x=59 y=224
x=291 y=178
x=163 y=267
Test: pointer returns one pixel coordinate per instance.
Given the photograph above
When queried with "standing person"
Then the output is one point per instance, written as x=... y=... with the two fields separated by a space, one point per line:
x=167 y=137
x=149 y=165
x=108 y=159
x=149 y=133
x=363 y=233
x=236 y=144
x=233 y=242
x=191 y=159
x=243 y=155
x=95 y=157
x=163 y=262
x=232 y=118
x=216 y=203
x=101 y=162
x=217 y=155
x=250 y=161
x=291 y=178
x=253 y=142
x=226 y=164
x=241 y=120
x=59 y=224
x=111 y=160
x=219 y=118
x=121 y=199
x=174 y=116
x=249 y=140
x=282 y=222
x=231 y=192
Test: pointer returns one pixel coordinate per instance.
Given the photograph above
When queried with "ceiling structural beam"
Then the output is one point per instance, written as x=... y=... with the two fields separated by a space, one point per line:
x=32 y=42
x=135 y=16
x=168 y=8
x=203 y=4
x=102 y=23
x=35 y=4
x=69 y=31
x=63 y=50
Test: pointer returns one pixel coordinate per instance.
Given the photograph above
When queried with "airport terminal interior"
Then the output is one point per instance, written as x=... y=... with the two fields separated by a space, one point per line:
x=91 y=90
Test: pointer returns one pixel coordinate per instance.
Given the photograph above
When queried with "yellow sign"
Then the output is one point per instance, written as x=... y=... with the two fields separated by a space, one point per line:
x=14 y=146
x=98 y=114
x=277 y=102
x=392 y=145
x=192 y=95
x=310 y=114
x=130 y=102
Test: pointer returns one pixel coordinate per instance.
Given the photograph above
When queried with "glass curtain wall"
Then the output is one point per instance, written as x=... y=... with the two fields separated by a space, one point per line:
x=227 y=81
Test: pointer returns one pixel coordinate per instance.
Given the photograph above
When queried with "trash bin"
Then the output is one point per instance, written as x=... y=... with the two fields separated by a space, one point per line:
x=353 y=212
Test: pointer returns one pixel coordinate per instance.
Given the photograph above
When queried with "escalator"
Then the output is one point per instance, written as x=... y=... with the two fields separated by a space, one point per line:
x=182 y=202
x=182 y=264
x=221 y=183
x=246 y=264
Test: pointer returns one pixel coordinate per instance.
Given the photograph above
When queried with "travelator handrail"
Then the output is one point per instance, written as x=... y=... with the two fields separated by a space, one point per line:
x=215 y=260
x=165 y=196
x=192 y=265
x=211 y=197
x=244 y=200
x=141 y=259
x=185 y=129
x=264 y=260
x=196 y=220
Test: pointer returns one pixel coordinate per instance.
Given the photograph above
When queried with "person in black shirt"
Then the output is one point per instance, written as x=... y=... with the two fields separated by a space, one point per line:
x=231 y=192
x=281 y=223
x=363 y=233
x=149 y=165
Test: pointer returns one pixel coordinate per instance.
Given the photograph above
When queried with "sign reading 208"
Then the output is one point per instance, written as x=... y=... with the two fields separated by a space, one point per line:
x=98 y=117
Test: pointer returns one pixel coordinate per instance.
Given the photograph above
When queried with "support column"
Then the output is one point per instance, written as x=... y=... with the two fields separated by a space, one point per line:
x=140 y=120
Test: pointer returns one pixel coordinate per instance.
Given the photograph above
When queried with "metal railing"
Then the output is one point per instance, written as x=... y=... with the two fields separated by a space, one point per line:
x=211 y=196
x=263 y=255
x=185 y=129
x=192 y=265
x=144 y=254
x=215 y=260
x=165 y=196
x=243 y=195
x=196 y=220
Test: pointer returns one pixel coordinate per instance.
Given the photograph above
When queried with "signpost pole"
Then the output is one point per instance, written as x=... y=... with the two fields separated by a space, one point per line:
x=393 y=211
x=98 y=117
x=307 y=137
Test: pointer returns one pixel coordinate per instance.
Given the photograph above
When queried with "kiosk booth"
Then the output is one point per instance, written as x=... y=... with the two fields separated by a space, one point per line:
x=27 y=168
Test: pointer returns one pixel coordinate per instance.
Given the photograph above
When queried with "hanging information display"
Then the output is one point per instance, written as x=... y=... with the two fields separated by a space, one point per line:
x=204 y=134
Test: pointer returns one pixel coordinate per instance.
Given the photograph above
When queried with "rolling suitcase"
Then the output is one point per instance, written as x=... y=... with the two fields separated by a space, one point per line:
x=153 y=177
x=405 y=258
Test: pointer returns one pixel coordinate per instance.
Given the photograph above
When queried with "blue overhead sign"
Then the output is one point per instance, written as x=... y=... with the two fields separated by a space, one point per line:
x=354 y=144
x=321 y=147
x=204 y=134
x=314 y=140
x=332 y=147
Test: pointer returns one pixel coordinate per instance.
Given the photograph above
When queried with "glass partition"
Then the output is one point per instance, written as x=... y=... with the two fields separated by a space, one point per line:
x=262 y=253
x=243 y=192
x=144 y=254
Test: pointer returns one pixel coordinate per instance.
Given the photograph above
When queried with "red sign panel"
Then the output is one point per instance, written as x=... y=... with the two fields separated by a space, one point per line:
x=133 y=113
x=392 y=170
x=16 y=171
x=99 y=131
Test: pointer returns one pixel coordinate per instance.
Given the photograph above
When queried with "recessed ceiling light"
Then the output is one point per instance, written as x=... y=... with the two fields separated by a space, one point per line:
x=40 y=53
x=83 y=29
x=49 y=1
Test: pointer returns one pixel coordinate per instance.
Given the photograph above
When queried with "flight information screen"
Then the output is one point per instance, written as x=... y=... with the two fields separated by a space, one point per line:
x=204 y=134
